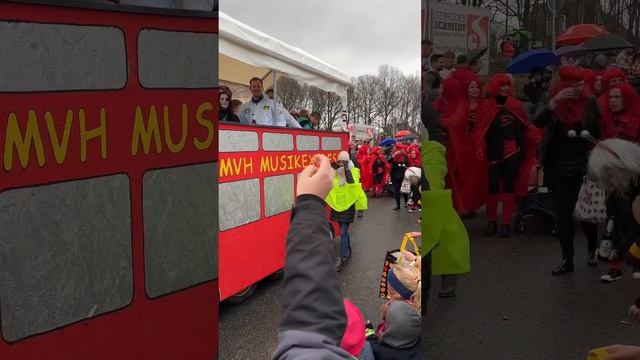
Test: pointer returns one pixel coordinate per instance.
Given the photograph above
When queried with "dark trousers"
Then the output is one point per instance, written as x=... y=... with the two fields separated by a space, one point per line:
x=426 y=281
x=590 y=231
x=506 y=172
x=397 y=184
x=624 y=225
x=565 y=191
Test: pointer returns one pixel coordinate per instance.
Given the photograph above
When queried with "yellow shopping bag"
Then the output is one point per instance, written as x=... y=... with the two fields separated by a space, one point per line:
x=393 y=256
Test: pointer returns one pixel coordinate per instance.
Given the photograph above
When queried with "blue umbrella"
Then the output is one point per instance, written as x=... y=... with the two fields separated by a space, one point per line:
x=387 y=142
x=536 y=58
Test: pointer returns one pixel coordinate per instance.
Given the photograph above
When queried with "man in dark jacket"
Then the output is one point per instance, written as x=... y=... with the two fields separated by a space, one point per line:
x=314 y=318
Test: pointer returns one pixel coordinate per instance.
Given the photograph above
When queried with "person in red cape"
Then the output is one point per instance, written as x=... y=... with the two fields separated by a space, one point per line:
x=454 y=123
x=505 y=139
x=475 y=170
x=621 y=118
x=364 y=159
x=564 y=156
x=610 y=78
x=415 y=158
x=379 y=171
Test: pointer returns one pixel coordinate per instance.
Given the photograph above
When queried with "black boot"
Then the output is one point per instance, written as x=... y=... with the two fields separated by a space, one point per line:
x=491 y=229
x=339 y=265
x=564 y=267
x=505 y=232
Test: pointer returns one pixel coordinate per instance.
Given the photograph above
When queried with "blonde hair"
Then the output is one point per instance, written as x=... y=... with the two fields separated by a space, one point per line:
x=410 y=276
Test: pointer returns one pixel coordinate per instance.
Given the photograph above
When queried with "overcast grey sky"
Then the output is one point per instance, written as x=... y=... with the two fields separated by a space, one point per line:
x=356 y=36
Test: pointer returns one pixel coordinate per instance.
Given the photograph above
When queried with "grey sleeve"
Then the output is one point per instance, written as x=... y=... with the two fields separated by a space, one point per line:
x=311 y=291
x=308 y=346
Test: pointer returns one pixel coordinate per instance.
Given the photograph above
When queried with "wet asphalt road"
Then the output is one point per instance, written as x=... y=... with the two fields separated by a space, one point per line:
x=510 y=307
x=249 y=331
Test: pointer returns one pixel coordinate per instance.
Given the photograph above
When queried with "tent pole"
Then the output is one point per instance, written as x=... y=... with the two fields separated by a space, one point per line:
x=275 y=85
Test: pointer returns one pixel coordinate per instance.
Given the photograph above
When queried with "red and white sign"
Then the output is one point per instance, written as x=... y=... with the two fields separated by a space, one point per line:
x=361 y=131
x=460 y=29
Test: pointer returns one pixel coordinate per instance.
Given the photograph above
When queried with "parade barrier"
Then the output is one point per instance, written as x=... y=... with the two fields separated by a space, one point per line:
x=108 y=182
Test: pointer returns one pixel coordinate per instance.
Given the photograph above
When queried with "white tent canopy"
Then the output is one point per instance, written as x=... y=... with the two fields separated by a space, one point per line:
x=246 y=52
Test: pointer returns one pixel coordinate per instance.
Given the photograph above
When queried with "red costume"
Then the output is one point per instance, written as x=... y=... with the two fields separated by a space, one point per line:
x=626 y=124
x=491 y=112
x=454 y=121
x=610 y=74
x=474 y=172
x=364 y=159
x=379 y=170
x=415 y=158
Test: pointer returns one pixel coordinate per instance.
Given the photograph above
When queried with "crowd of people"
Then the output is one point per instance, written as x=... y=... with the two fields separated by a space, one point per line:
x=263 y=109
x=498 y=138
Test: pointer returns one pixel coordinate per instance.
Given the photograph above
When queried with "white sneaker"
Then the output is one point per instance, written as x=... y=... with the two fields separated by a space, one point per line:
x=636 y=273
x=612 y=276
x=605 y=249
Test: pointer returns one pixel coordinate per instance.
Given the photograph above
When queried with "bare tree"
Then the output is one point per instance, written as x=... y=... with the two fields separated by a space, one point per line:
x=389 y=83
x=291 y=94
x=365 y=98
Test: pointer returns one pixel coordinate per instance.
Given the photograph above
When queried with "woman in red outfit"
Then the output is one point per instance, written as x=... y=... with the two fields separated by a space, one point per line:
x=453 y=120
x=475 y=170
x=621 y=118
x=610 y=78
x=364 y=159
x=415 y=158
x=505 y=139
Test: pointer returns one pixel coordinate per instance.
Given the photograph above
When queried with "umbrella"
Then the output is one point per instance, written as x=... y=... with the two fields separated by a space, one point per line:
x=578 y=34
x=566 y=53
x=525 y=62
x=387 y=142
x=607 y=42
x=476 y=54
x=401 y=133
x=571 y=51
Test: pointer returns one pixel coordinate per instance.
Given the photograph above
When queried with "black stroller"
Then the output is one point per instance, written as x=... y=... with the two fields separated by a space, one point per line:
x=539 y=202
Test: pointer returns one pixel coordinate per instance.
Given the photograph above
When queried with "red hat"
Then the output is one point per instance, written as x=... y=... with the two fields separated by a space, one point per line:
x=571 y=73
x=354 y=335
x=613 y=73
x=496 y=82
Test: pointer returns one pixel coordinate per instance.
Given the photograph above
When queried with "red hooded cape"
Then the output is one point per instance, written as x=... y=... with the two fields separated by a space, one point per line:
x=364 y=159
x=376 y=153
x=417 y=161
x=625 y=125
x=474 y=172
x=454 y=121
x=531 y=135
x=610 y=74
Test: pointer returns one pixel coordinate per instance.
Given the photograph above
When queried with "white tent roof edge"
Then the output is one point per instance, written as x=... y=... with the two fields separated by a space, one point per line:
x=251 y=46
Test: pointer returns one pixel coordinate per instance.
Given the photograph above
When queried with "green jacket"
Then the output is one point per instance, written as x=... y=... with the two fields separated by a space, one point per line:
x=443 y=233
